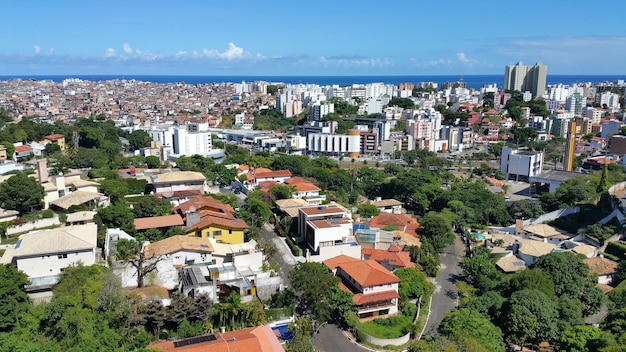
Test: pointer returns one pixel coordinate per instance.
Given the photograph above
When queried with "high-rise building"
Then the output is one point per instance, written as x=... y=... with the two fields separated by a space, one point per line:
x=522 y=78
x=570 y=145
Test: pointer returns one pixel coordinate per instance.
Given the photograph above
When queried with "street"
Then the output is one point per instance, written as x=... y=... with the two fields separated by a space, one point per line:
x=283 y=256
x=444 y=299
x=330 y=339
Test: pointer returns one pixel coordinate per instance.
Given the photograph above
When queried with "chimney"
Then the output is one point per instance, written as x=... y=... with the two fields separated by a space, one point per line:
x=519 y=224
x=223 y=329
x=42 y=170
x=192 y=217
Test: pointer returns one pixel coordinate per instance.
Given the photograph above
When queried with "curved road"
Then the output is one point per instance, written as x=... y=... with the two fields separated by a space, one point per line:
x=330 y=339
x=442 y=301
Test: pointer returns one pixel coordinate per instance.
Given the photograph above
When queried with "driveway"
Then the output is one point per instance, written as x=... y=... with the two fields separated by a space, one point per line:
x=331 y=339
x=444 y=299
x=283 y=257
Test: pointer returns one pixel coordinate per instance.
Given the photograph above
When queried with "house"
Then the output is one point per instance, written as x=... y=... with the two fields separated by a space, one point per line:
x=390 y=206
x=604 y=268
x=205 y=216
x=258 y=175
x=56 y=138
x=258 y=339
x=324 y=226
x=544 y=233
x=374 y=288
x=303 y=188
x=42 y=255
x=510 y=264
x=80 y=218
x=402 y=222
x=162 y=223
x=391 y=259
x=530 y=250
x=169 y=182
x=22 y=152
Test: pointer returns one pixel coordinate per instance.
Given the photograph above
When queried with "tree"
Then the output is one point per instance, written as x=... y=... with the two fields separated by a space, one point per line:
x=13 y=298
x=118 y=215
x=282 y=191
x=525 y=209
x=475 y=325
x=133 y=253
x=367 y=210
x=52 y=148
x=579 y=339
x=21 y=192
x=575 y=190
x=148 y=206
x=571 y=277
x=139 y=139
x=484 y=274
x=413 y=283
x=255 y=210
x=153 y=162
x=114 y=189
x=311 y=283
x=530 y=316
x=437 y=229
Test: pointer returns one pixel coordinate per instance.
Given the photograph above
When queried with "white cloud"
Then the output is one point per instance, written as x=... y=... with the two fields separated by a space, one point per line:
x=51 y=51
x=109 y=52
x=37 y=49
x=461 y=57
x=127 y=48
x=233 y=52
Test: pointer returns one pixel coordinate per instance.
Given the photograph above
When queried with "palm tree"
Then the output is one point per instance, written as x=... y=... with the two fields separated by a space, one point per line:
x=233 y=307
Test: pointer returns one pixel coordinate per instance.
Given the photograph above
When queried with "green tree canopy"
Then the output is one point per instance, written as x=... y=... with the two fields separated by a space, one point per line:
x=475 y=325
x=13 y=298
x=21 y=192
x=311 y=283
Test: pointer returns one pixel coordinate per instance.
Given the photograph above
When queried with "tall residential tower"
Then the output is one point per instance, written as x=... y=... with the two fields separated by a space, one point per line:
x=526 y=78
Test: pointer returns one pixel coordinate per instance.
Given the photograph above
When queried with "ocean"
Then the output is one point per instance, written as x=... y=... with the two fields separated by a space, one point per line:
x=472 y=81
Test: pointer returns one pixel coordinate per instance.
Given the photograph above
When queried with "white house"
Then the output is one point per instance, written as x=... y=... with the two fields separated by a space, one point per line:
x=324 y=226
x=42 y=255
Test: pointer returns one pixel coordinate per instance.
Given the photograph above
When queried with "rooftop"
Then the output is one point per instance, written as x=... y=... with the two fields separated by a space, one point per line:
x=179 y=243
x=156 y=222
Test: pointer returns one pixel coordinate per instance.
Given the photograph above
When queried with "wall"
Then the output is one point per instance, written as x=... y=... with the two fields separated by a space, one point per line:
x=51 y=265
x=384 y=342
x=266 y=287
x=33 y=225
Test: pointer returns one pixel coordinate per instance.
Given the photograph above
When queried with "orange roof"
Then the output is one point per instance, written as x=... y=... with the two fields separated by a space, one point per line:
x=305 y=186
x=368 y=273
x=201 y=203
x=361 y=299
x=55 y=136
x=334 y=262
x=179 y=243
x=404 y=222
x=156 y=222
x=22 y=148
x=255 y=339
x=393 y=256
x=211 y=218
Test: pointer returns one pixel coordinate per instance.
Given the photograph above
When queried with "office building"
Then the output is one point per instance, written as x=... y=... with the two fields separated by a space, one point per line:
x=520 y=165
x=523 y=78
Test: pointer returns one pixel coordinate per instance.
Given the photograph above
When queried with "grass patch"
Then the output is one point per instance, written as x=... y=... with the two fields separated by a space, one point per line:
x=387 y=328
x=2 y=252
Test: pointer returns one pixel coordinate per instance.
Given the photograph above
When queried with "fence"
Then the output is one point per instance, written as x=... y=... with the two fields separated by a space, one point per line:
x=33 y=225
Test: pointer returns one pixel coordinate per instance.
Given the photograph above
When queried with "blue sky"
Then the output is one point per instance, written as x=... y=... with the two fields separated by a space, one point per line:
x=340 y=37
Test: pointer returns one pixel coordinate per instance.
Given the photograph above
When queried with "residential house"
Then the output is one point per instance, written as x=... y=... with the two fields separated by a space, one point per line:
x=162 y=223
x=530 y=250
x=80 y=218
x=402 y=222
x=303 y=188
x=390 y=206
x=169 y=182
x=374 y=288
x=544 y=233
x=22 y=152
x=56 y=138
x=391 y=259
x=205 y=216
x=258 y=339
x=42 y=255
x=257 y=175
x=324 y=226
x=3 y=153
x=604 y=268
x=510 y=264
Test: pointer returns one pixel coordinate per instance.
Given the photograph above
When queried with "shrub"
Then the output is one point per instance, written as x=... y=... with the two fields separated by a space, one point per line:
x=616 y=249
x=47 y=214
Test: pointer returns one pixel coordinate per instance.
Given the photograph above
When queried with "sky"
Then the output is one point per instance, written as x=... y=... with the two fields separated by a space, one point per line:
x=309 y=38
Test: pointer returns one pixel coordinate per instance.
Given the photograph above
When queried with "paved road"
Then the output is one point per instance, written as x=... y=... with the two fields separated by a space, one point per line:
x=331 y=339
x=442 y=301
x=283 y=257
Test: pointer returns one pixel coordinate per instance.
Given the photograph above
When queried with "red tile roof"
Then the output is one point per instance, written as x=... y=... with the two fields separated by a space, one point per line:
x=156 y=222
x=393 y=256
x=368 y=273
x=362 y=299
x=255 y=339
x=22 y=148
x=224 y=220
x=203 y=203
x=404 y=222
x=55 y=136
x=334 y=262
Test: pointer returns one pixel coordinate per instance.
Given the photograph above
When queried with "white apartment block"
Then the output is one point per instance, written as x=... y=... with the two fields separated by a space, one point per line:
x=193 y=138
x=319 y=110
x=593 y=114
x=611 y=100
x=520 y=165
x=335 y=144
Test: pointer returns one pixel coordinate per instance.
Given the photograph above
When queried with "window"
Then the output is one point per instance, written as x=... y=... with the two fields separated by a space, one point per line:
x=62 y=256
x=230 y=232
x=217 y=233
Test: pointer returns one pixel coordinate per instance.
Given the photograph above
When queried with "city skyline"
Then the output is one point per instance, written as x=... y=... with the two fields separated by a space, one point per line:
x=324 y=38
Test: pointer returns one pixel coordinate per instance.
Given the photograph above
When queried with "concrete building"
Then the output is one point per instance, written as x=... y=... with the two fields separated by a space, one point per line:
x=520 y=165
x=193 y=138
x=335 y=144
x=324 y=226
x=526 y=78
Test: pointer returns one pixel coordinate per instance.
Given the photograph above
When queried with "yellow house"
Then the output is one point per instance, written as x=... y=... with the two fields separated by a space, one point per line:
x=57 y=139
x=223 y=227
